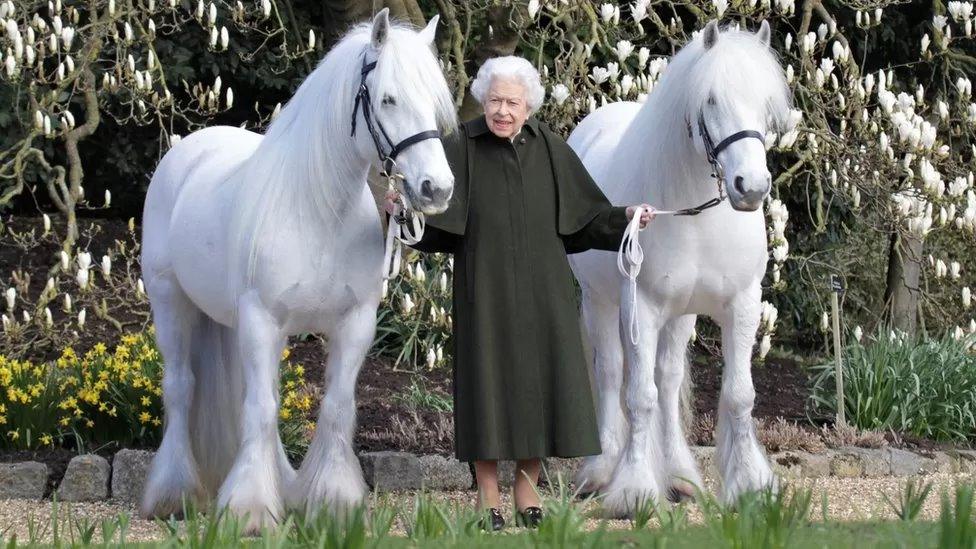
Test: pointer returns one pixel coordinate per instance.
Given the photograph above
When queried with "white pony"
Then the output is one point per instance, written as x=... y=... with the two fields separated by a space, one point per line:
x=248 y=239
x=721 y=83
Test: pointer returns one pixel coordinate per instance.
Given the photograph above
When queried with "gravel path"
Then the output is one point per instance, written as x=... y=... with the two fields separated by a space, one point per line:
x=848 y=500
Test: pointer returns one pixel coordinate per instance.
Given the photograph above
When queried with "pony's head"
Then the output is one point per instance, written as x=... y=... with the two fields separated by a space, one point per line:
x=739 y=85
x=408 y=96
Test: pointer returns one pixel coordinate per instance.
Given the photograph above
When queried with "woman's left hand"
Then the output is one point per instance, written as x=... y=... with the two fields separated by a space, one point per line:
x=646 y=216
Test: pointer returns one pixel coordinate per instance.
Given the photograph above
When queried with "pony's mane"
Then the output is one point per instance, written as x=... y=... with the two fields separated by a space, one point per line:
x=307 y=165
x=739 y=70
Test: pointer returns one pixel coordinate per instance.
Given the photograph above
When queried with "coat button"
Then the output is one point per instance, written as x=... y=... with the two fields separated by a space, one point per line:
x=522 y=141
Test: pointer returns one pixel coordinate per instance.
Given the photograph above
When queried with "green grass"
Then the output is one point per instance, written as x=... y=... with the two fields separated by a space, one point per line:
x=763 y=520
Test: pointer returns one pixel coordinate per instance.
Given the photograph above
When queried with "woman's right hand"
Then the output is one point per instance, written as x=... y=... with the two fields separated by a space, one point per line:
x=389 y=204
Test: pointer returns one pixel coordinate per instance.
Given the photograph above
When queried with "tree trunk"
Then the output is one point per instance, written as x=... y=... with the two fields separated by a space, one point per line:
x=902 y=290
x=340 y=15
x=502 y=41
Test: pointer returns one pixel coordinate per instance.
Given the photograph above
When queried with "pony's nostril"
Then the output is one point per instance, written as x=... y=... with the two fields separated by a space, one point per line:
x=427 y=188
x=738 y=184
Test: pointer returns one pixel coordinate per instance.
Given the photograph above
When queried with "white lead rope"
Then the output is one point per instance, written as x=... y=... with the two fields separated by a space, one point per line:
x=630 y=257
x=397 y=234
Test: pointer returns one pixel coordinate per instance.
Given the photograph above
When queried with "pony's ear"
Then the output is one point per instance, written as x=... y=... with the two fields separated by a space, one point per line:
x=381 y=28
x=764 y=33
x=431 y=29
x=710 y=34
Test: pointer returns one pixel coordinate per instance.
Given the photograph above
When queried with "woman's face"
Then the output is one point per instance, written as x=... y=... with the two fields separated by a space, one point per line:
x=505 y=107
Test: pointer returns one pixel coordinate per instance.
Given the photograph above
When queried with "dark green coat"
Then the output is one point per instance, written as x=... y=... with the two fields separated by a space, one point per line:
x=521 y=387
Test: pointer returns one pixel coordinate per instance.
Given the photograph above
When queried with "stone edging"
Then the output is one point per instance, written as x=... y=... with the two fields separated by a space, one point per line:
x=91 y=478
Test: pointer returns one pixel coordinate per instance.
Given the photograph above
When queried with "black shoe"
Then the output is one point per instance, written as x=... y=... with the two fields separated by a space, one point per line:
x=493 y=521
x=530 y=517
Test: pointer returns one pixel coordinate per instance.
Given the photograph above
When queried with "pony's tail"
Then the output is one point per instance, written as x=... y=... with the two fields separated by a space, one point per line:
x=217 y=399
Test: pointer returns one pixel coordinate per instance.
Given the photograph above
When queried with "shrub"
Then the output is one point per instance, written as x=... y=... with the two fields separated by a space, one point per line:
x=923 y=387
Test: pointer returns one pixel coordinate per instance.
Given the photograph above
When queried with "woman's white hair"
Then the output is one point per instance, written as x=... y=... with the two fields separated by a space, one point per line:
x=514 y=67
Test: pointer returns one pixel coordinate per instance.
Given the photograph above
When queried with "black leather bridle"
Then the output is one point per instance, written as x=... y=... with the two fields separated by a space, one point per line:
x=375 y=127
x=711 y=153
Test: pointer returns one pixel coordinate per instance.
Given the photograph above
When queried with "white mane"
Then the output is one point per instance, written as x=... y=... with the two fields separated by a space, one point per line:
x=307 y=163
x=739 y=70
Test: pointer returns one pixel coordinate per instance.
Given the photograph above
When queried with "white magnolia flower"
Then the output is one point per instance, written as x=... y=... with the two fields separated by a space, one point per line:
x=406 y=304
x=49 y=287
x=443 y=282
x=967 y=297
x=607 y=12
x=599 y=75
x=11 y=296
x=431 y=359
x=225 y=39
x=560 y=93
x=27 y=317
x=106 y=265
x=824 y=322
x=141 y=287
x=48 y=319
x=82 y=278
x=638 y=10
x=266 y=8
x=533 y=8
x=624 y=49
x=720 y=6
x=954 y=269
x=925 y=42
x=940 y=269
x=764 y=345
x=6 y=323
x=858 y=333
x=643 y=55
x=81 y=319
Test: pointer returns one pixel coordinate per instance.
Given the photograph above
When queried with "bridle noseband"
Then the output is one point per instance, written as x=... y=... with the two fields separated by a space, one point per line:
x=711 y=153
x=375 y=127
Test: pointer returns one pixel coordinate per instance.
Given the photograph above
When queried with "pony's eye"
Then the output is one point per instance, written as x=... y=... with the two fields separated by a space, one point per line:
x=389 y=100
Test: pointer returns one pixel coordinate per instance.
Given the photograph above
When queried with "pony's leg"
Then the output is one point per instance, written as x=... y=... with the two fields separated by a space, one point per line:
x=672 y=362
x=174 y=474
x=252 y=488
x=330 y=473
x=741 y=461
x=602 y=326
x=636 y=480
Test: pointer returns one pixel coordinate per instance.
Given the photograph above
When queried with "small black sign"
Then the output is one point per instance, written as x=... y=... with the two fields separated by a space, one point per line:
x=836 y=284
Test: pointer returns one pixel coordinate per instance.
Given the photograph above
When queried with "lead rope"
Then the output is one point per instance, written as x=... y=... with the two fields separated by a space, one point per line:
x=632 y=254
x=398 y=233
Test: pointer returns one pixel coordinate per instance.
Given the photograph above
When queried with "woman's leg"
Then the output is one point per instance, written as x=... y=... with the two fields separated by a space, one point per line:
x=526 y=480
x=486 y=473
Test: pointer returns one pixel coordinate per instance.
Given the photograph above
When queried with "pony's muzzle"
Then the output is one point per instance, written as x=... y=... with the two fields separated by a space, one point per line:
x=748 y=193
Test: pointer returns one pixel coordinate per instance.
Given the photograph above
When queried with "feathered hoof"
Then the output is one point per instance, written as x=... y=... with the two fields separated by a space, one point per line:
x=681 y=491
x=621 y=501
x=170 y=491
x=757 y=482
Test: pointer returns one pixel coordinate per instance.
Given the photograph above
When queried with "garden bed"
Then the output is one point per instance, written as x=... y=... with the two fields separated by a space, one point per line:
x=397 y=409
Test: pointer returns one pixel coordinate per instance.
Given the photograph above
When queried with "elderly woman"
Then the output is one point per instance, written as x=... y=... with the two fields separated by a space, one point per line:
x=522 y=201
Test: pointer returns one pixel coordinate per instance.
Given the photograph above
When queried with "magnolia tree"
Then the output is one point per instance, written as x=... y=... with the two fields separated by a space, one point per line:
x=874 y=178
x=69 y=66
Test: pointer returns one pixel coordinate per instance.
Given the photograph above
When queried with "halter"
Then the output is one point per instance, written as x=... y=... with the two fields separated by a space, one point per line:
x=398 y=231
x=711 y=153
x=376 y=129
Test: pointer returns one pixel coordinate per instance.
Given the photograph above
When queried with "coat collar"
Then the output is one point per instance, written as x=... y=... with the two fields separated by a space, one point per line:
x=479 y=126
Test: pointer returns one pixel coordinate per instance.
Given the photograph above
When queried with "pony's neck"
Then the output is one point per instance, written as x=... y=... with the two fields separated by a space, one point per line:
x=319 y=172
x=664 y=167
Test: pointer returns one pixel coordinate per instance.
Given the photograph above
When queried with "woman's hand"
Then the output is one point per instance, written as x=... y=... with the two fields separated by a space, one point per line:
x=646 y=216
x=390 y=203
